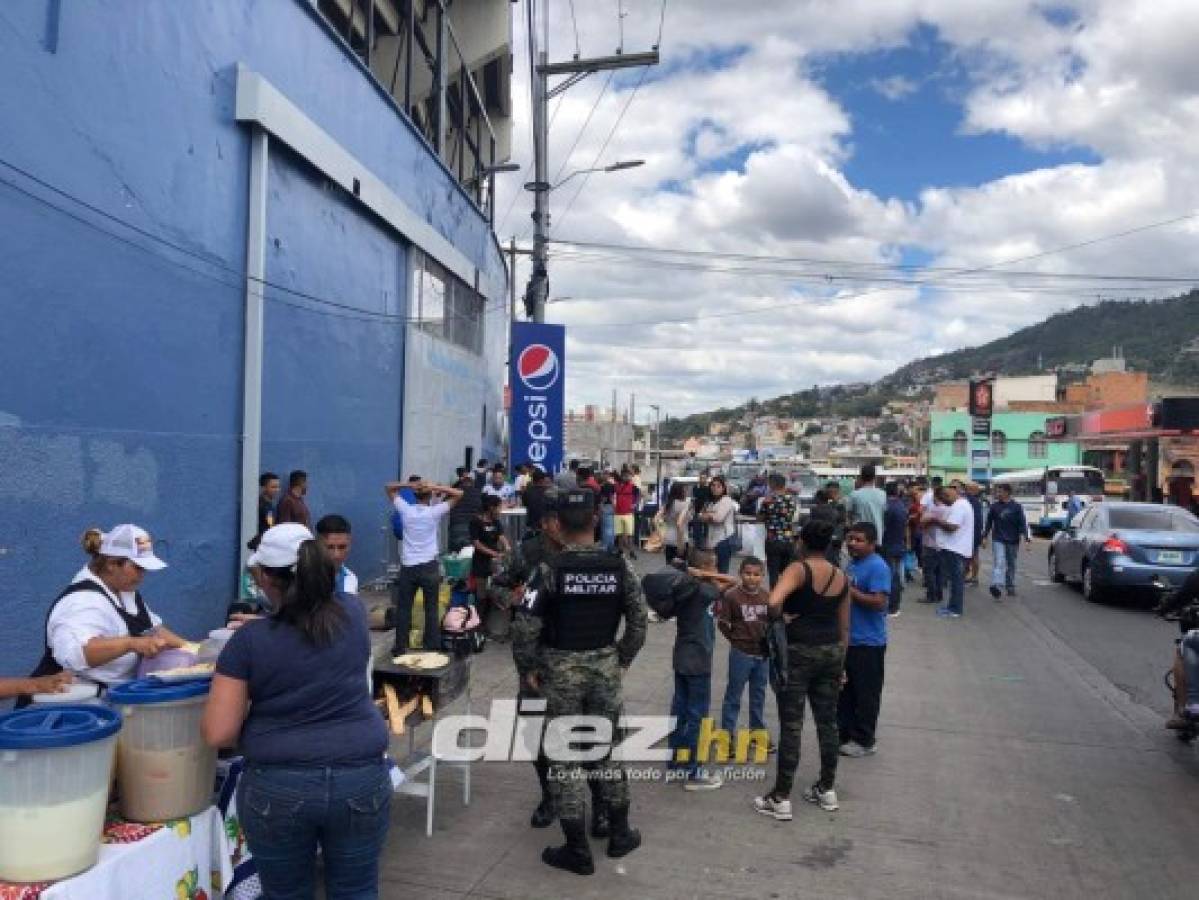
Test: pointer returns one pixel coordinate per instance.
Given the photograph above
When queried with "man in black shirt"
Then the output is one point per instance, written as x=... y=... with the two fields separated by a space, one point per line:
x=490 y=543
x=464 y=513
x=539 y=484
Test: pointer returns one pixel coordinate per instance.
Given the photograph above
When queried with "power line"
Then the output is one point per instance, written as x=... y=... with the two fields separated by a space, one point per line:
x=241 y=276
x=661 y=25
x=583 y=129
x=588 y=247
x=931 y=281
x=575 y=24
x=604 y=146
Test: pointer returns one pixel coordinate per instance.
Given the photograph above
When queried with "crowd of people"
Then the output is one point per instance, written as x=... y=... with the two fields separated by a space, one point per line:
x=809 y=620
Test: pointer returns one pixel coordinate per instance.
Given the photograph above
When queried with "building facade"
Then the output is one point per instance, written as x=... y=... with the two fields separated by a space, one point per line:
x=1018 y=441
x=229 y=249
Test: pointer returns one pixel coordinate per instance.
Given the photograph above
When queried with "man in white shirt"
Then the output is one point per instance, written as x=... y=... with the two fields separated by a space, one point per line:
x=419 y=568
x=499 y=487
x=955 y=540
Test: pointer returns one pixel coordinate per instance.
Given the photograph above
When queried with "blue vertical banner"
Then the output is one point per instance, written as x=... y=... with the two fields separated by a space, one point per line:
x=537 y=375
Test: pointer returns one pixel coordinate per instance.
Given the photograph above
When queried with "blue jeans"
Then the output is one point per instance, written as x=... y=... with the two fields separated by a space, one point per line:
x=288 y=810
x=608 y=526
x=932 y=574
x=745 y=668
x=953 y=573
x=895 y=559
x=1004 y=570
x=724 y=555
x=692 y=697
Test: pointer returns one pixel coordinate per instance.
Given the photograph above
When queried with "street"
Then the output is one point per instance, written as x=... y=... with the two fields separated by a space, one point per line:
x=1021 y=754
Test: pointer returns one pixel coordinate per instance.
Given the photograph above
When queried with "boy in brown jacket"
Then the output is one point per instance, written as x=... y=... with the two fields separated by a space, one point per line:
x=741 y=618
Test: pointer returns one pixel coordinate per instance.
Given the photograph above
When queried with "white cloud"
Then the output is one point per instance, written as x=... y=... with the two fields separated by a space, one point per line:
x=895 y=87
x=745 y=154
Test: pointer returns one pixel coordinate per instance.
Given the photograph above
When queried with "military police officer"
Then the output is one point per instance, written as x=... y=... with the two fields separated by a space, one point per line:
x=572 y=610
x=516 y=568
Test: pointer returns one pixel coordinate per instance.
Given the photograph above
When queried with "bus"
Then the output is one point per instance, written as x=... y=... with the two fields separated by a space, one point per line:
x=1043 y=492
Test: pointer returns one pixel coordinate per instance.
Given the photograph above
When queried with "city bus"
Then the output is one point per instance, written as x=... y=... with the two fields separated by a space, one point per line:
x=1044 y=492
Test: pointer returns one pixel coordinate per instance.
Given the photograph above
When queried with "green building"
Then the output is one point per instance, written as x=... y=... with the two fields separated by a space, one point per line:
x=1018 y=441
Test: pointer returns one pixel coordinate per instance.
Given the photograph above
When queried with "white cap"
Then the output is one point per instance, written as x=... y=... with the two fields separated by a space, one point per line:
x=132 y=543
x=280 y=546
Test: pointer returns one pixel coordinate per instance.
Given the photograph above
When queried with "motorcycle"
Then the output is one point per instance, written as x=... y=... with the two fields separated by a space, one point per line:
x=1184 y=725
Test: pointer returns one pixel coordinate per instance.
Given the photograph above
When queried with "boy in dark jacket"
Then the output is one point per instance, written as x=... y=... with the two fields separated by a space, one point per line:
x=689 y=599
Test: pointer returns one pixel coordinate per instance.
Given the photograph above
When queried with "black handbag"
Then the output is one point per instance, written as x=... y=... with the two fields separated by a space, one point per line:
x=774 y=645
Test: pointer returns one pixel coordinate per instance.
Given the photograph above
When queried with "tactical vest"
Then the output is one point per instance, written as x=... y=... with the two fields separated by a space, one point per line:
x=586 y=600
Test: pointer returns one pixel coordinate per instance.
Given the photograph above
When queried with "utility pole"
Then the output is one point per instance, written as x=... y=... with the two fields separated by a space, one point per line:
x=511 y=283
x=537 y=291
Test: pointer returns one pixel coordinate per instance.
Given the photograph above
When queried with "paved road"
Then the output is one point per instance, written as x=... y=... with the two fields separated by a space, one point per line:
x=1011 y=765
x=1126 y=642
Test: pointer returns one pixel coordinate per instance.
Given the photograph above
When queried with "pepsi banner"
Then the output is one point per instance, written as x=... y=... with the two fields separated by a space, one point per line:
x=537 y=371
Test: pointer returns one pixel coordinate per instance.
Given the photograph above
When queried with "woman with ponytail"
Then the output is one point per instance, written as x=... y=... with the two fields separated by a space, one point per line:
x=290 y=692
x=99 y=628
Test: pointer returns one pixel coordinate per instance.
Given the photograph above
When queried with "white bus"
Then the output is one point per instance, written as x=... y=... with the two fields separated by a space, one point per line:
x=1044 y=492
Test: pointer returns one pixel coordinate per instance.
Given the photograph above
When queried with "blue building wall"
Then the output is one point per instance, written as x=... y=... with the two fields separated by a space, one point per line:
x=122 y=341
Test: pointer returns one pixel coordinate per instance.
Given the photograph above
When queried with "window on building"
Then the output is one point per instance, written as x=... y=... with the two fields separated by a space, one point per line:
x=998 y=444
x=959 y=443
x=445 y=306
x=1038 y=447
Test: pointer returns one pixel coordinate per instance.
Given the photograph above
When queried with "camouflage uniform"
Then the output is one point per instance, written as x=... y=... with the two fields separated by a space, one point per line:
x=814 y=674
x=583 y=683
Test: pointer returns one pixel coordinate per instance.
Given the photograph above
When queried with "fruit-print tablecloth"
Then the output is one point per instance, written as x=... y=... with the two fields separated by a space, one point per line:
x=187 y=859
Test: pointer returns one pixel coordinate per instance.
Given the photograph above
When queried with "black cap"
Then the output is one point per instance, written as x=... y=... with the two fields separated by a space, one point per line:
x=550 y=499
x=577 y=498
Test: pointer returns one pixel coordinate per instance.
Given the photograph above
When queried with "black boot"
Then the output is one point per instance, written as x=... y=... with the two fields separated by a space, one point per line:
x=624 y=840
x=599 y=819
x=575 y=854
x=544 y=815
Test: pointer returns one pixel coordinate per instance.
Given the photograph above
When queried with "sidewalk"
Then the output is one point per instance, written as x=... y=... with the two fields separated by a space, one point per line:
x=1007 y=767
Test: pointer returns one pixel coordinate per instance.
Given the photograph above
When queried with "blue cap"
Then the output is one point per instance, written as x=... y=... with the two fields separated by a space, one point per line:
x=151 y=690
x=49 y=727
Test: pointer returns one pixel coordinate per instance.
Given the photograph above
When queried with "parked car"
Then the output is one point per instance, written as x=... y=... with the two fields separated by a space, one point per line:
x=1130 y=548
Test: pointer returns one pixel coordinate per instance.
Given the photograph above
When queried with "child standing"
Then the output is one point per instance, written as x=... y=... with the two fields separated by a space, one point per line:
x=742 y=620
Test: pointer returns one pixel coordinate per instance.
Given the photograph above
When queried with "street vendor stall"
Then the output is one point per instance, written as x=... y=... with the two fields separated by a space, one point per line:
x=412 y=689
x=63 y=835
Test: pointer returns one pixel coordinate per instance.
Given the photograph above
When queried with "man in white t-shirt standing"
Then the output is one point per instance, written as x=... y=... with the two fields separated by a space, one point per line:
x=419 y=568
x=955 y=540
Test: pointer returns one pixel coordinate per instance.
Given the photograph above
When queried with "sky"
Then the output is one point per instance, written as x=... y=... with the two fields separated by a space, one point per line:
x=833 y=188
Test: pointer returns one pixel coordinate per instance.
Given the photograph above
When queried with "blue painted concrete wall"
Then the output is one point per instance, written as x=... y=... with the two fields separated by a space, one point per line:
x=121 y=352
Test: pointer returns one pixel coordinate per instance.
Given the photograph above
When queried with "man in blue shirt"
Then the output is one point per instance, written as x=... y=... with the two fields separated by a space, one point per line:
x=869 y=594
x=895 y=543
x=1007 y=526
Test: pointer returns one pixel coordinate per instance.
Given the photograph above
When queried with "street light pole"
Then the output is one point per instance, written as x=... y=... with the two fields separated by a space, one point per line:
x=538 y=288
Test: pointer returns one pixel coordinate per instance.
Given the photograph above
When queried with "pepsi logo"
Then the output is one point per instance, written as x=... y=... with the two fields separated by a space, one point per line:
x=538 y=367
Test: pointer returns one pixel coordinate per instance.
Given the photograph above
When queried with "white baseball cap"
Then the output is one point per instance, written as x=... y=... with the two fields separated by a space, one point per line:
x=280 y=546
x=132 y=543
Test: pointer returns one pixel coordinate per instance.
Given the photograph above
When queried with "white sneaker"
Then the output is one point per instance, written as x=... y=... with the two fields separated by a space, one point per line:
x=855 y=750
x=705 y=781
x=776 y=809
x=826 y=800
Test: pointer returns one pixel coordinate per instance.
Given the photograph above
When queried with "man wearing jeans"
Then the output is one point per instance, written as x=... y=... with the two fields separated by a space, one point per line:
x=955 y=537
x=1006 y=526
x=419 y=569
